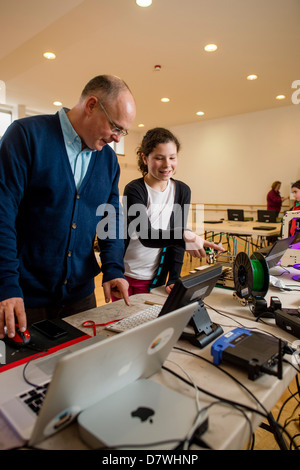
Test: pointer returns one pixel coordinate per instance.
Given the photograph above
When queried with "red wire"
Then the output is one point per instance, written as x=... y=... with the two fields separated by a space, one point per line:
x=91 y=324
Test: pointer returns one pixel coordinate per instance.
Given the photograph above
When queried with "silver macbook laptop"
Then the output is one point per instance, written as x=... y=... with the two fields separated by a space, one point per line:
x=84 y=377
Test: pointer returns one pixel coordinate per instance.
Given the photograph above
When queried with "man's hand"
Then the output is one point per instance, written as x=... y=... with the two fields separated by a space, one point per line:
x=194 y=244
x=9 y=309
x=118 y=287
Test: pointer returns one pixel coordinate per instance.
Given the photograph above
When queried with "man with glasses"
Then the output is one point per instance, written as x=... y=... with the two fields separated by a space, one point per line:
x=55 y=171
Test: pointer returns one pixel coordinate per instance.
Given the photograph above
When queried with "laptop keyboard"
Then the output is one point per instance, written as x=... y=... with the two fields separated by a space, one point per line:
x=34 y=397
x=138 y=318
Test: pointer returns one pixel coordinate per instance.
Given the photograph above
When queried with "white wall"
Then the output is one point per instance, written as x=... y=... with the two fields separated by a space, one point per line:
x=235 y=160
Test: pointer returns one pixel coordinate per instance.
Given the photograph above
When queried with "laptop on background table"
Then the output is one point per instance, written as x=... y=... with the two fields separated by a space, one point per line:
x=235 y=214
x=274 y=253
x=266 y=216
x=84 y=377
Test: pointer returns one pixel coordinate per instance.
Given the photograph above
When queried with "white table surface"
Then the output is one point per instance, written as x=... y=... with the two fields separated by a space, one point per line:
x=228 y=428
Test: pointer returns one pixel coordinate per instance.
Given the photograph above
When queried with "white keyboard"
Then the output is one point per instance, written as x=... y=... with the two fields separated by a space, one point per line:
x=143 y=316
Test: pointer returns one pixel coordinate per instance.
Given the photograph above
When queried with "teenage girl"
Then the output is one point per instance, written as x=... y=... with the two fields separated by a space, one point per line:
x=156 y=207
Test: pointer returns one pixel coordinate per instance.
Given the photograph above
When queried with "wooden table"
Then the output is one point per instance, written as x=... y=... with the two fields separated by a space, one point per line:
x=249 y=232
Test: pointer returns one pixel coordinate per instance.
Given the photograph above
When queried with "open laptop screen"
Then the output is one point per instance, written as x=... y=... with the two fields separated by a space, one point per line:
x=192 y=288
x=266 y=216
x=278 y=249
x=235 y=214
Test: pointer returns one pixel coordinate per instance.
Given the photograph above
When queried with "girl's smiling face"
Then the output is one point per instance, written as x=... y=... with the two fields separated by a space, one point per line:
x=161 y=162
x=296 y=193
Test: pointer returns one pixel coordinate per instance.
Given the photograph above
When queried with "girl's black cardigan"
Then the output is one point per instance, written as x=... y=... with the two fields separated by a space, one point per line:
x=170 y=240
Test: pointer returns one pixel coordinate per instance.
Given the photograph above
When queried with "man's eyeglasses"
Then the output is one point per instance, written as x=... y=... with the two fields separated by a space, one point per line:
x=115 y=129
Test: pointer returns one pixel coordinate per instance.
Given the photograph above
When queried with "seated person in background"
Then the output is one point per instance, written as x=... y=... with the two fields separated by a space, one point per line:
x=274 y=199
x=296 y=205
x=157 y=209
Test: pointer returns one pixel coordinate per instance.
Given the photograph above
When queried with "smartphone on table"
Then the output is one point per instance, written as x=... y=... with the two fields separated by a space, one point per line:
x=49 y=329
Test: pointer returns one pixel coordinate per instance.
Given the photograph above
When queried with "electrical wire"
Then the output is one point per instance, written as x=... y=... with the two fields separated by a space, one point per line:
x=251 y=328
x=200 y=413
x=265 y=411
x=36 y=356
x=224 y=401
x=276 y=427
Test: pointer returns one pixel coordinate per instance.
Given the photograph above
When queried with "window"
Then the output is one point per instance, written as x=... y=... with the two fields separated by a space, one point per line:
x=5 y=120
x=118 y=146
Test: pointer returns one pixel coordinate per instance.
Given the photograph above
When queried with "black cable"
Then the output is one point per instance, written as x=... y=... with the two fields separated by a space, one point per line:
x=286 y=288
x=284 y=404
x=290 y=420
x=276 y=427
x=293 y=439
x=36 y=356
x=235 y=405
x=254 y=328
x=228 y=374
x=286 y=348
x=224 y=315
x=273 y=424
x=297 y=383
x=292 y=365
x=225 y=400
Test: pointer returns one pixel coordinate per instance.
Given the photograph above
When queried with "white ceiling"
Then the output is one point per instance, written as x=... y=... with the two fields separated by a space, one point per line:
x=92 y=37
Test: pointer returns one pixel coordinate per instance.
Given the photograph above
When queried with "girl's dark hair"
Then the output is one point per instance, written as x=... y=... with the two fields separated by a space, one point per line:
x=151 y=139
x=296 y=184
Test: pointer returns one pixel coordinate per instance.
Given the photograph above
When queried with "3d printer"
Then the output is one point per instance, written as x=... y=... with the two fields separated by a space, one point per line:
x=292 y=254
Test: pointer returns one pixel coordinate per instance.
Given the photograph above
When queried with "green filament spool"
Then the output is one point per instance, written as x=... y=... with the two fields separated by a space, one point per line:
x=258 y=275
x=251 y=276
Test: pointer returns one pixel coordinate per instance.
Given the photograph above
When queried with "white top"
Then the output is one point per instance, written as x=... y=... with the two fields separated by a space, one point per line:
x=140 y=261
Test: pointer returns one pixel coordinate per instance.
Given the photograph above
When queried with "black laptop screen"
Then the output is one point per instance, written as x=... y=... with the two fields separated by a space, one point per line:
x=235 y=214
x=266 y=216
x=278 y=249
x=192 y=288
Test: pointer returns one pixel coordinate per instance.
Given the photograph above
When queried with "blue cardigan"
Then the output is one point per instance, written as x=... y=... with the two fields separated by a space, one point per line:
x=47 y=228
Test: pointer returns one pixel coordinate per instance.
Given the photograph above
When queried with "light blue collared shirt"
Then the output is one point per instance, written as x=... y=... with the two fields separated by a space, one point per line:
x=79 y=159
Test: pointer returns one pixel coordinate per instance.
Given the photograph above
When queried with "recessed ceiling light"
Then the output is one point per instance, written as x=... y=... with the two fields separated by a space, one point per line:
x=280 y=97
x=252 y=77
x=210 y=48
x=57 y=103
x=49 y=55
x=143 y=3
x=141 y=125
x=165 y=100
x=200 y=113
